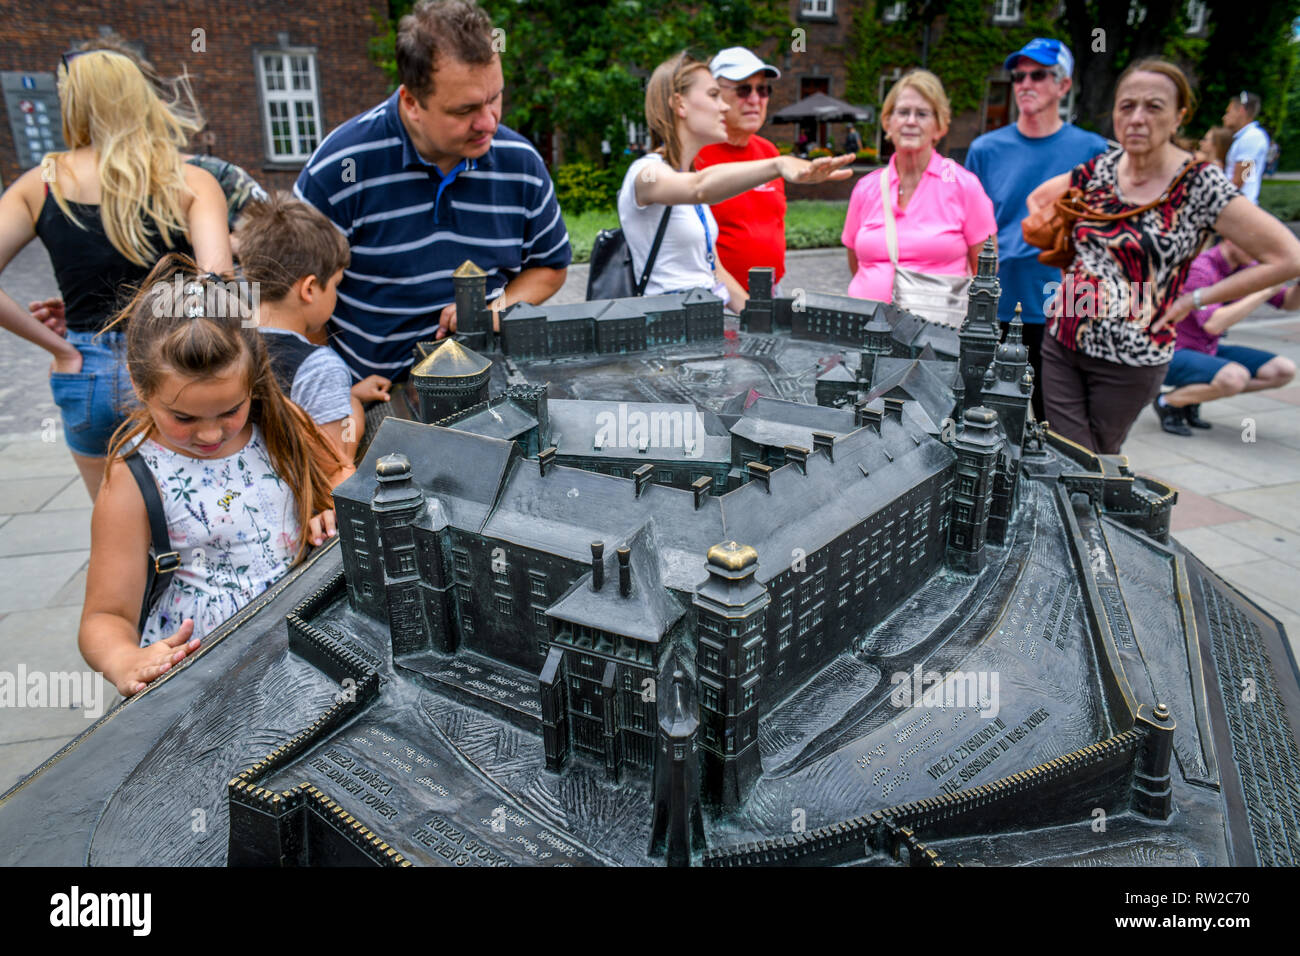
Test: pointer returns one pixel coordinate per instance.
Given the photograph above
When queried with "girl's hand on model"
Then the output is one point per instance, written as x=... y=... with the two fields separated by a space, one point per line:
x=142 y=665
x=322 y=526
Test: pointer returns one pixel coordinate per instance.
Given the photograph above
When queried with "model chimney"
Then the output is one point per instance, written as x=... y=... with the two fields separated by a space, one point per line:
x=760 y=473
x=624 y=570
x=700 y=488
x=894 y=409
x=545 y=459
x=797 y=455
x=642 y=478
x=825 y=442
x=597 y=565
x=869 y=417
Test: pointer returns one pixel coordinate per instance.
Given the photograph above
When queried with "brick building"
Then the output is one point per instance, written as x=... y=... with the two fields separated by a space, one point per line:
x=271 y=78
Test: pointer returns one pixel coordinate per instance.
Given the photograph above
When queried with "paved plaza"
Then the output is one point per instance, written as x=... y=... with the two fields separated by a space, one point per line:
x=1239 y=486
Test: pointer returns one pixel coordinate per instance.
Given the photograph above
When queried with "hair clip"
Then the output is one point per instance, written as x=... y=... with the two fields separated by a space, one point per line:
x=212 y=277
x=1244 y=98
x=193 y=292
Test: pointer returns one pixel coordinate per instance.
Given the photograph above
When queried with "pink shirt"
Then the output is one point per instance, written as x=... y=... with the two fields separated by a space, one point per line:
x=948 y=213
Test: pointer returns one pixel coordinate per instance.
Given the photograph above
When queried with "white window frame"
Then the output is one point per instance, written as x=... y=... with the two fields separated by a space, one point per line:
x=817 y=9
x=300 y=152
x=893 y=12
x=1006 y=11
x=1196 y=15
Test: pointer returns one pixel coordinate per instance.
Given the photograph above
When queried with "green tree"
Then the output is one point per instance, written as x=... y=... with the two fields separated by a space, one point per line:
x=1250 y=48
x=576 y=67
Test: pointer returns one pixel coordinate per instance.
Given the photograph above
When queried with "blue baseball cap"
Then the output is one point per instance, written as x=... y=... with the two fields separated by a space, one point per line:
x=1045 y=51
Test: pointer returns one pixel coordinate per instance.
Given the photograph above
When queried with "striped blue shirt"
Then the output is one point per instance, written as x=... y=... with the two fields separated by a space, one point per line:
x=410 y=226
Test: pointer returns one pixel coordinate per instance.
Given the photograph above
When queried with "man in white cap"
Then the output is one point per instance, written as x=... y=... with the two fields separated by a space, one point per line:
x=752 y=225
x=1011 y=162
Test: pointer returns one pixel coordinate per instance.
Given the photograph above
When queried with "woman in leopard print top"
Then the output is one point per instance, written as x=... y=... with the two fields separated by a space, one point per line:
x=1110 y=321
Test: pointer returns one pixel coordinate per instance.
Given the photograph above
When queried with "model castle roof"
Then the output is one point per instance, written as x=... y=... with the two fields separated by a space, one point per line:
x=484 y=485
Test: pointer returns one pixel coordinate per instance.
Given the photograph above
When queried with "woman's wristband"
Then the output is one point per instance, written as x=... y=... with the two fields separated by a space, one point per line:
x=1196 y=299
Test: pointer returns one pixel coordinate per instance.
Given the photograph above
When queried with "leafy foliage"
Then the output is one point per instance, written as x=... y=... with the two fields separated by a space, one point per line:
x=577 y=66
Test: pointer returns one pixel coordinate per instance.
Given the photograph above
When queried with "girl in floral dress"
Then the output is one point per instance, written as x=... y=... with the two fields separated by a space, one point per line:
x=241 y=472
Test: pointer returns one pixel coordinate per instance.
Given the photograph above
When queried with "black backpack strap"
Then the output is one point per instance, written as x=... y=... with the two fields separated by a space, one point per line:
x=163 y=561
x=654 y=251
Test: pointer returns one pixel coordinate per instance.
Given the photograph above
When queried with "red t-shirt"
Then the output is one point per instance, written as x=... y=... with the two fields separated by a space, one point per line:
x=753 y=223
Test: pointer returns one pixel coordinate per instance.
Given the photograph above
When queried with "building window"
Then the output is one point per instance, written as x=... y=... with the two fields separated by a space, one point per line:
x=679 y=751
x=461 y=559
x=963 y=512
x=783 y=638
x=539 y=617
x=1195 y=16
x=817 y=8
x=504 y=605
x=366 y=589
x=844 y=592
x=290 y=104
x=586 y=707
x=463 y=594
x=363 y=561
x=501 y=576
x=709 y=696
x=709 y=657
x=538 y=585
x=405 y=562
x=1006 y=11
x=750 y=695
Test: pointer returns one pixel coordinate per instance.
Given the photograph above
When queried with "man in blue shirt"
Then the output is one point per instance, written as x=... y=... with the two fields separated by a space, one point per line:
x=428 y=179
x=1248 y=154
x=1014 y=160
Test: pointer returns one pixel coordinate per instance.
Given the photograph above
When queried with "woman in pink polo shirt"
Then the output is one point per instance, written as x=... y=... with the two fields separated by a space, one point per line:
x=942 y=213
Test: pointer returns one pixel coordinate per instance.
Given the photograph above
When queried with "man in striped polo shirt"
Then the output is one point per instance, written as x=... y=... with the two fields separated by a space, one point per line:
x=428 y=179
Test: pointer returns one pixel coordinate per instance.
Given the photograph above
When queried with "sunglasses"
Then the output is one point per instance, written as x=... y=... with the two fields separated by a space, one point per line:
x=744 y=89
x=1018 y=76
x=66 y=58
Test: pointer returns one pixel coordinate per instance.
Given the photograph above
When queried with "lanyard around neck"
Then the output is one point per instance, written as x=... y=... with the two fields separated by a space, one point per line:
x=708 y=239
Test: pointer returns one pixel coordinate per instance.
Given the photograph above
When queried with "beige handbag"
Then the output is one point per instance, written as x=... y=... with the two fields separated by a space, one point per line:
x=938 y=298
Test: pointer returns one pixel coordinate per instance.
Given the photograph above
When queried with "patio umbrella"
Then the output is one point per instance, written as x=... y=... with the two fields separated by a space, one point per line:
x=821 y=108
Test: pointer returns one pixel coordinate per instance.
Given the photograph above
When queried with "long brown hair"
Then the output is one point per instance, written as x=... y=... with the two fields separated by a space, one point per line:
x=671 y=78
x=201 y=336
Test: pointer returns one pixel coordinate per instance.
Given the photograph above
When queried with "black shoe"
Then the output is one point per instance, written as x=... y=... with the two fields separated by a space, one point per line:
x=1171 y=419
x=1192 y=415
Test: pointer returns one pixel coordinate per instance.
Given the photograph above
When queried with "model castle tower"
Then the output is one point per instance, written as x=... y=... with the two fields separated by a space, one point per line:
x=877 y=343
x=979 y=333
x=978 y=444
x=396 y=503
x=1009 y=382
x=473 y=319
x=451 y=379
x=758 y=309
x=731 y=611
x=677 y=826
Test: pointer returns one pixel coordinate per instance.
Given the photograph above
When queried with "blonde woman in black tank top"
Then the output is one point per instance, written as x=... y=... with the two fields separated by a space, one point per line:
x=107 y=209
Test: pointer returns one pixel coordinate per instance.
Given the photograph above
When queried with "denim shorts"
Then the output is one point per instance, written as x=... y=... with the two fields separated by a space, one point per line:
x=1190 y=367
x=94 y=401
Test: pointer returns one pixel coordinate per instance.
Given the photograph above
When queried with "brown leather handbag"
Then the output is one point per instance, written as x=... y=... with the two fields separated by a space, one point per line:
x=1052 y=227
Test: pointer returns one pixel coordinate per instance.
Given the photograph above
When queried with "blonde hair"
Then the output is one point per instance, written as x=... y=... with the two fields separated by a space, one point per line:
x=109 y=105
x=930 y=87
x=671 y=78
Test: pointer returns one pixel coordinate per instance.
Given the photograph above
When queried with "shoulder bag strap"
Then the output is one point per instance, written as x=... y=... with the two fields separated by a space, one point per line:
x=887 y=203
x=163 y=561
x=654 y=251
x=1087 y=212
